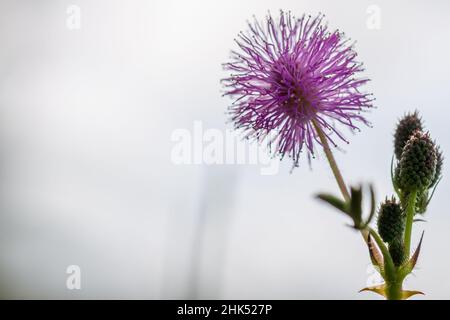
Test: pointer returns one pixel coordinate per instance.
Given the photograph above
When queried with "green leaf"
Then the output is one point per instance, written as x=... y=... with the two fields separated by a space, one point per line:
x=356 y=205
x=335 y=202
x=372 y=206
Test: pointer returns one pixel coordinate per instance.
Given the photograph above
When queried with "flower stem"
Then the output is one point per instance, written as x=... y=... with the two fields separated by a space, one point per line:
x=410 y=211
x=335 y=169
x=331 y=160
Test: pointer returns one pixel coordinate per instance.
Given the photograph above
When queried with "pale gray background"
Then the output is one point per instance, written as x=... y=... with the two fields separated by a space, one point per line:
x=86 y=176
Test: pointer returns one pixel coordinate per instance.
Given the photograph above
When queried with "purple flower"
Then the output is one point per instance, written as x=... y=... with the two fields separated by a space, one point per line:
x=290 y=76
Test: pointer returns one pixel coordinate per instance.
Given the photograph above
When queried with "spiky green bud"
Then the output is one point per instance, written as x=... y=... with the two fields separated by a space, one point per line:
x=397 y=251
x=417 y=163
x=410 y=123
x=390 y=220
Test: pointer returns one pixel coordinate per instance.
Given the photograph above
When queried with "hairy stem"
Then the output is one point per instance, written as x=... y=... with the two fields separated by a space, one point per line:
x=410 y=211
x=331 y=160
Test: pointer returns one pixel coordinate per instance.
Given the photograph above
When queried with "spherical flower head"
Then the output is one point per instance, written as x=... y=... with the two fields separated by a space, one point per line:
x=291 y=77
x=397 y=252
x=390 y=220
x=410 y=123
x=417 y=163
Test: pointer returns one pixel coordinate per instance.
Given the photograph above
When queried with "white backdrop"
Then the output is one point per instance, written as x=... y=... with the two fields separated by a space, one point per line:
x=87 y=112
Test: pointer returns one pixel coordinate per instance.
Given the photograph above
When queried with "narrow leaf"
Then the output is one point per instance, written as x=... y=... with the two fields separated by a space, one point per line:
x=380 y=289
x=334 y=201
x=372 y=206
x=415 y=256
x=408 y=293
x=393 y=177
x=392 y=171
x=409 y=266
x=375 y=255
x=432 y=192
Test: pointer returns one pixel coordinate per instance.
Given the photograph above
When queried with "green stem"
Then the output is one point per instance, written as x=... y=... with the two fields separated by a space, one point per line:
x=394 y=290
x=410 y=211
x=394 y=282
x=331 y=160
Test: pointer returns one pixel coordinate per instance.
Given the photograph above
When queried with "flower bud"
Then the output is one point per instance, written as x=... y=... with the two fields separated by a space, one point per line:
x=417 y=163
x=405 y=128
x=397 y=251
x=390 y=221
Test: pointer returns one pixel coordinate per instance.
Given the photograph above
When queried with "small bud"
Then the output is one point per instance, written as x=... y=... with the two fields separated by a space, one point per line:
x=405 y=128
x=417 y=163
x=390 y=220
x=397 y=251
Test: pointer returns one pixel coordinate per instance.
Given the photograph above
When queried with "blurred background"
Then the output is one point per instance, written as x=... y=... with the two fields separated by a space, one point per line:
x=91 y=95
